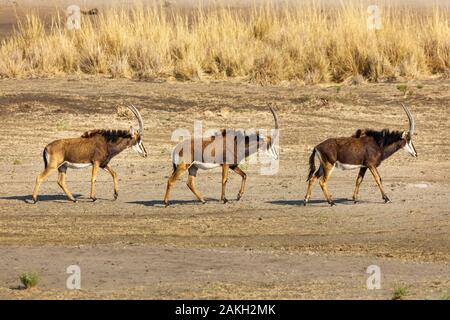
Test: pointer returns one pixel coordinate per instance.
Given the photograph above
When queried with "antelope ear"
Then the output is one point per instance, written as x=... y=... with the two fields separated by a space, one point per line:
x=132 y=131
x=404 y=134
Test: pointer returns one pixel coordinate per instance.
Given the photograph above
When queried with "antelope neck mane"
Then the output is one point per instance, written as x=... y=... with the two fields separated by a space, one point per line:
x=232 y=133
x=109 y=135
x=384 y=137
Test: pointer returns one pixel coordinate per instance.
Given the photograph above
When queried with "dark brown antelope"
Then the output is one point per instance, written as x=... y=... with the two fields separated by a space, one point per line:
x=93 y=149
x=227 y=148
x=91 y=12
x=366 y=149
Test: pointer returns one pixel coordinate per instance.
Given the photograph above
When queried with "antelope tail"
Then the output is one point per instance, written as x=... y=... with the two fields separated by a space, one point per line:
x=312 y=165
x=44 y=155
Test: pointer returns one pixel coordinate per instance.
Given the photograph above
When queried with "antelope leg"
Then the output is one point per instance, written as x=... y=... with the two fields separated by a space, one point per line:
x=41 y=178
x=180 y=169
x=95 y=168
x=115 y=179
x=63 y=185
x=244 y=178
x=359 y=180
x=311 y=183
x=328 y=168
x=225 y=168
x=191 y=186
x=377 y=178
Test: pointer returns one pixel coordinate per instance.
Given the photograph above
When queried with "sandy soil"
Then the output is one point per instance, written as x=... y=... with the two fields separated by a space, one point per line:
x=268 y=245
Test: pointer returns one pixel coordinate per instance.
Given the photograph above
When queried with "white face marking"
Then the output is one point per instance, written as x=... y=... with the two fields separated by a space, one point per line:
x=273 y=152
x=345 y=166
x=76 y=165
x=205 y=166
x=409 y=148
x=139 y=149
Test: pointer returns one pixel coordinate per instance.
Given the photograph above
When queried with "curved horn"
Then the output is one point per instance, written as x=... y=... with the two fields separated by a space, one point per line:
x=412 y=123
x=138 y=117
x=275 y=116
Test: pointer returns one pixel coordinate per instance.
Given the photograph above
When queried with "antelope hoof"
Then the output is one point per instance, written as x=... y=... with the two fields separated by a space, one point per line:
x=225 y=200
x=239 y=196
x=332 y=204
x=203 y=201
x=166 y=204
x=116 y=195
x=386 y=199
x=93 y=199
x=305 y=202
x=74 y=200
x=34 y=201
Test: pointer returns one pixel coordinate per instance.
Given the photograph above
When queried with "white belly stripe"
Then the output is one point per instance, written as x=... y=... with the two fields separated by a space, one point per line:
x=345 y=166
x=76 y=165
x=205 y=166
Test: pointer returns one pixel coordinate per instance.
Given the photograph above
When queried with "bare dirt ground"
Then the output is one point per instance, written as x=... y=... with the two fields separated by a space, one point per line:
x=268 y=245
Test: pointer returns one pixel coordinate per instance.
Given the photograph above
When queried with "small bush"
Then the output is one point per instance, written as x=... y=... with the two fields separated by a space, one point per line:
x=29 y=280
x=399 y=292
x=62 y=125
x=124 y=113
x=403 y=88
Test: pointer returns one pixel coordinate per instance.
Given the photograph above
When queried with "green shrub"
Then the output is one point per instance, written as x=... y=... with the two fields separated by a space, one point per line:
x=399 y=292
x=29 y=280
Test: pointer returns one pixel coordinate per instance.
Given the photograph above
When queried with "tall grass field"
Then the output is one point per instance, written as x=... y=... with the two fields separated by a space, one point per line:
x=264 y=44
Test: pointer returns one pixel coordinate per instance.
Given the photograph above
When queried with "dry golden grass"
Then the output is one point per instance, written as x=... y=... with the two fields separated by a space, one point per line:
x=308 y=44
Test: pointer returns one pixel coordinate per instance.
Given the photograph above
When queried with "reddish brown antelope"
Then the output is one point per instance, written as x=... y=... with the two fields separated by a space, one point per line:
x=93 y=149
x=227 y=148
x=366 y=149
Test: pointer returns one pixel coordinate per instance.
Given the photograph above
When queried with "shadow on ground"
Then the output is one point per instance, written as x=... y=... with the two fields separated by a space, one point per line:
x=316 y=202
x=48 y=198
x=160 y=203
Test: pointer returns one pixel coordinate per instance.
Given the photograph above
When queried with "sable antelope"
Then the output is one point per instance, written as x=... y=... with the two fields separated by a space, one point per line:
x=94 y=148
x=91 y=12
x=366 y=149
x=227 y=148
